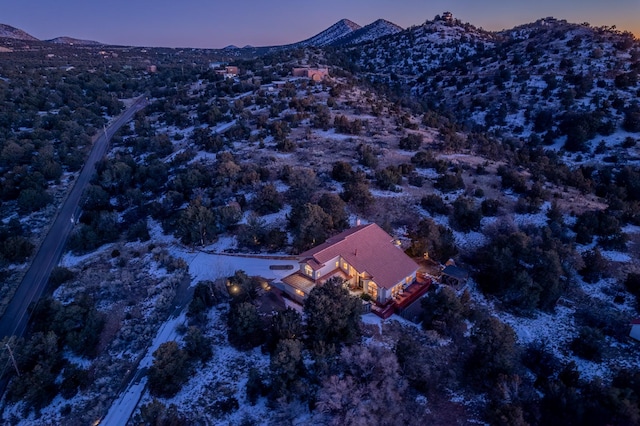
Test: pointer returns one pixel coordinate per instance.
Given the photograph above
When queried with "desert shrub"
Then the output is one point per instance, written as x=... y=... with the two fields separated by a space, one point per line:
x=494 y=352
x=60 y=275
x=450 y=182
x=388 y=178
x=411 y=142
x=444 y=311
x=434 y=204
x=632 y=283
x=169 y=371
x=595 y=266
x=511 y=179
x=267 y=200
x=465 y=216
x=589 y=344
x=255 y=386
x=523 y=271
x=489 y=207
x=367 y=156
x=341 y=171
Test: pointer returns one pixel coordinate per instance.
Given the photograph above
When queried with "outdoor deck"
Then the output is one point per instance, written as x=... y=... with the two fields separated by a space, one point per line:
x=404 y=299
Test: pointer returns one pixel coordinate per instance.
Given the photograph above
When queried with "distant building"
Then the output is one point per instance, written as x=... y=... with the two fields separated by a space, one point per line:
x=315 y=74
x=152 y=68
x=229 y=71
x=447 y=16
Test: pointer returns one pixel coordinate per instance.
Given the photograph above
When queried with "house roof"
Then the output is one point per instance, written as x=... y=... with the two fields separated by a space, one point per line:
x=456 y=272
x=368 y=249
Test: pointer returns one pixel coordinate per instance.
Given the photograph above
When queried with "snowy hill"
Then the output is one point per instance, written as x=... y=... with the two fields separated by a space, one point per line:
x=73 y=41
x=329 y=36
x=373 y=31
x=553 y=81
x=7 y=31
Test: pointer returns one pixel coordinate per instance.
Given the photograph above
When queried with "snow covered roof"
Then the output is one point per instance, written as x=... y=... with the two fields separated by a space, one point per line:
x=368 y=249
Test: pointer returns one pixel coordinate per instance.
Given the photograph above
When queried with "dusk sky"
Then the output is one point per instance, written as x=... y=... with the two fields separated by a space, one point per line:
x=215 y=24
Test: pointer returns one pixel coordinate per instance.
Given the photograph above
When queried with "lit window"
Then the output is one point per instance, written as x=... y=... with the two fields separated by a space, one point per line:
x=299 y=292
x=308 y=270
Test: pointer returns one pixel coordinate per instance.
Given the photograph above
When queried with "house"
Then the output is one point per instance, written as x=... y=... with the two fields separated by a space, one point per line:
x=365 y=257
x=635 y=329
x=229 y=71
x=315 y=74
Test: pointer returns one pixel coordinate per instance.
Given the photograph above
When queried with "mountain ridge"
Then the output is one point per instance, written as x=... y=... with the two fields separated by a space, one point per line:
x=7 y=31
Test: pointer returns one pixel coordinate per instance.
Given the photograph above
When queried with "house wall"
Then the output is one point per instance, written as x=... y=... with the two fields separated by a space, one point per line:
x=385 y=295
x=328 y=267
x=295 y=294
x=635 y=331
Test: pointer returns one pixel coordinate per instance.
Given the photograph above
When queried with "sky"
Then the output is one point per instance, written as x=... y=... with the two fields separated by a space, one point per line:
x=216 y=24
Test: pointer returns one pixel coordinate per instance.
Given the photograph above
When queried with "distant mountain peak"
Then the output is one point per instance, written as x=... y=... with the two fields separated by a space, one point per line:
x=7 y=31
x=330 y=35
x=373 y=31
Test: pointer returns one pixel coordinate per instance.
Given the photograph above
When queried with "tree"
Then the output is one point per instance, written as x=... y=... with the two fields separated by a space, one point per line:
x=156 y=413
x=435 y=240
x=465 y=216
x=244 y=326
x=286 y=367
x=169 y=371
x=342 y=171
x=333 y=315
x=31 y=200
x=494 y=351
x=267 y=200
x=314 y=226
x=444 y=312
x=595 y=266
x=197 y=224
x=333 y=205
x=357 y=193
x=196 y=345
x=285 y=324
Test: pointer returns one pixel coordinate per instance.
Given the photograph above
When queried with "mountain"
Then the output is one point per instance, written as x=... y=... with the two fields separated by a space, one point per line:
x=550 y=81
x=373 y=31
x=7 y=31
x=331 y=35
x=74 y=41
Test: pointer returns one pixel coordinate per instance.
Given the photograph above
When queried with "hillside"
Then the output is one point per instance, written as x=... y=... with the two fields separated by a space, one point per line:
x=551 y=80
x=73 y=41
x=7 y=31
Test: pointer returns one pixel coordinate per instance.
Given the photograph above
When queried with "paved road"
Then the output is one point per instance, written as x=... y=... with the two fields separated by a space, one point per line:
x=15 y=319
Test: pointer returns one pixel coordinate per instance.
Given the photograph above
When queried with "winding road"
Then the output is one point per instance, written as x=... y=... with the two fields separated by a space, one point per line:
x=15 y=319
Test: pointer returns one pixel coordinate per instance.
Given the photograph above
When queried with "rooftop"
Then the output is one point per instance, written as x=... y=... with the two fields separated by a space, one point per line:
x=368 y=248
